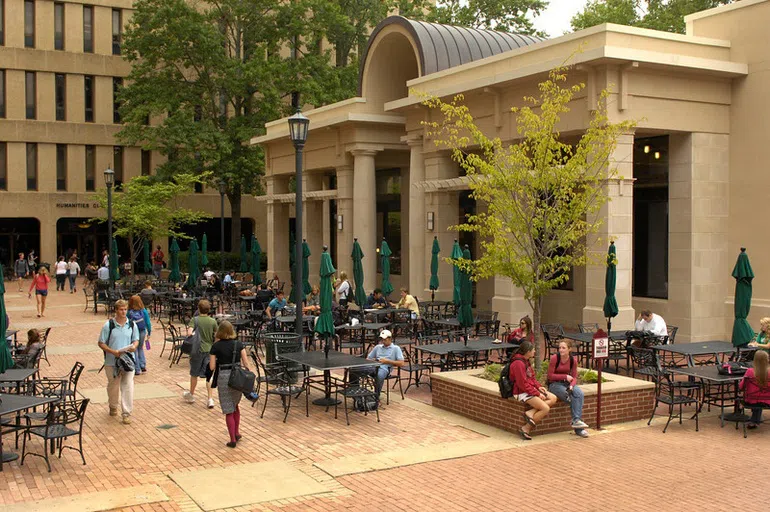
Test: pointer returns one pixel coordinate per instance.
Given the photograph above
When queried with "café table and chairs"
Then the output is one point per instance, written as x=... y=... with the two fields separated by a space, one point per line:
x=14 y=404
x=684 y=355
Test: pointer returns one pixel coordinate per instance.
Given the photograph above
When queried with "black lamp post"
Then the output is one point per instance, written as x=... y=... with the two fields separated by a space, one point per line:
x=298 y=128
x=222 y=190
x=109 y=181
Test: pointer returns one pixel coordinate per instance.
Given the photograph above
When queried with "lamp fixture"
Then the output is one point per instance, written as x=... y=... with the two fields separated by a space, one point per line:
x=109 y=177
x=657 y=155
x=298 y=127
x=339 y=222
x=646 y=149
x=430 y=221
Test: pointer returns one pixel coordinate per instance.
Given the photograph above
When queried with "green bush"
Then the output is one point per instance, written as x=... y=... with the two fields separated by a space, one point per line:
x=232 y=261
x=492 y=372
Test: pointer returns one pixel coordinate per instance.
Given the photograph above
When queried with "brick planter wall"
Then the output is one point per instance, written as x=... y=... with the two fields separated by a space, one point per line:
x=623 y=399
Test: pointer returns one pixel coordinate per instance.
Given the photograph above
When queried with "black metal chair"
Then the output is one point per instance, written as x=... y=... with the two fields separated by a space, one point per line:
x=672 y=330
x=64 y=419
x=589 y=327
x=744 y=354
x=279 y=381
x=71 y=389
x=413 y=370
x=643 y=361
x=44 y=340
x=552 y=333
x=361 y=392
x=674 y=395
x=90 y=298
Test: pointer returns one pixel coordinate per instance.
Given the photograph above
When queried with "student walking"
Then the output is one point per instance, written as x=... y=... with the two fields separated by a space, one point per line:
x=40 y=285
x=21 y=268
x=73 y=270
x=118 y=339
x=138 y=313
x=221 y=359
x=61 y=273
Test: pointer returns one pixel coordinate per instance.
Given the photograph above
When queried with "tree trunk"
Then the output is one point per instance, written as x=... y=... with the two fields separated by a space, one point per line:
x=536 y=308
x=132 y=252
x=234 y=197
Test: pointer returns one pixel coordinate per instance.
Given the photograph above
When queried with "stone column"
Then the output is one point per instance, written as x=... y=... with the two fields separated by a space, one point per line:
x=618 y=226
x=445 y=207
x=345 y=208
x=419 y=267
x=312 y=224
x=365 y=212
x=325 y=222
x=277 y=230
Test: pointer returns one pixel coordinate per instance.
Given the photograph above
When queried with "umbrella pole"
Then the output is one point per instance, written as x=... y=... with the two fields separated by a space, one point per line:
x=432 y=295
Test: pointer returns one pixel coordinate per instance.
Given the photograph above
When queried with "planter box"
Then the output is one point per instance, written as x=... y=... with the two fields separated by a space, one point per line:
x=462 y=392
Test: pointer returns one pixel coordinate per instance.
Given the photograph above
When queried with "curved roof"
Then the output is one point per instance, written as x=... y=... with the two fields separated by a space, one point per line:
x=442 y=47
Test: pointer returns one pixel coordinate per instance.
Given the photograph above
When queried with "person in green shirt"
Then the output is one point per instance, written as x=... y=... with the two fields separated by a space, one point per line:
x=763 y=336
x=199 y=361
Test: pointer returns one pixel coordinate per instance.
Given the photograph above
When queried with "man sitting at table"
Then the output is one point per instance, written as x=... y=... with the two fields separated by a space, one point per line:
x=103 y=274
x=650 y=323
x=387 y=354
x=229 y=278
x=277 y=304
x=376 y=300
x=408 y=302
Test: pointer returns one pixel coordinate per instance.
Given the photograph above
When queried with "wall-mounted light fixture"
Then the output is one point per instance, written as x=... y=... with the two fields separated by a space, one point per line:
x=646 y=149
x=657 y=155
x=339 y=222
x=430 y=221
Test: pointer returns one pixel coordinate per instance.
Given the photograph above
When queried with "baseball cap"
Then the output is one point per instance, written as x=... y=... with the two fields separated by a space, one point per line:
x=385 y=334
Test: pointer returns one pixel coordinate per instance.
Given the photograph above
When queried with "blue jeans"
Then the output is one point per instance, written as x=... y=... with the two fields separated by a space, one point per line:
x=756 y=415
x=141 y=361
x=575 y=399
x=380 y=373
x=72 y=277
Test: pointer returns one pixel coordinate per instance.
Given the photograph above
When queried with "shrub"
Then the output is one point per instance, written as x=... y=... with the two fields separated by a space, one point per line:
x=492 y=372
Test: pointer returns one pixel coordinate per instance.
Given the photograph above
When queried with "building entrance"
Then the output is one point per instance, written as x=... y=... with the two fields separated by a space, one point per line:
x=89 y=239
x=18 y=235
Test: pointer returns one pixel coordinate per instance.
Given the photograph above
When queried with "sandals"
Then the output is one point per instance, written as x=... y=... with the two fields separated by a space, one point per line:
x=525 y=435
x=529 y=420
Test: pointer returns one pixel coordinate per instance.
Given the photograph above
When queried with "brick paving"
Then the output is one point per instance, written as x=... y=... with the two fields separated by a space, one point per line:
x=631 y=469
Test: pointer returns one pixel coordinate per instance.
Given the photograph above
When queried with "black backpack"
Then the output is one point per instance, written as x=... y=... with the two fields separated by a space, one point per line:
x=505 y=384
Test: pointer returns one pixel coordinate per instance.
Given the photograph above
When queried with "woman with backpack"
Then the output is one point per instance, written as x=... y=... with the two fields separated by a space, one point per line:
x=527 y=389
x=562 y=382
x=225 y=351
x=138 y=313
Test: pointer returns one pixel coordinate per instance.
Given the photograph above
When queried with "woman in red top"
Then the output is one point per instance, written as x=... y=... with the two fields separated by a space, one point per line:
x=527 y=389
x=562 y=382
x=523 y=332
x=40 y=284
x=755 y=387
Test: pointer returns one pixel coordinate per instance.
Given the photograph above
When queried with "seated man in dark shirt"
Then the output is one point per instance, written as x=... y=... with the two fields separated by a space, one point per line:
x=376 y=300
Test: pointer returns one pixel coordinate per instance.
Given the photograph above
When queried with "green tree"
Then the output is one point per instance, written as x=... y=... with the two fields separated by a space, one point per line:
x=149 y=209
x=503 y=15
x=665 y=15
x=542 y=194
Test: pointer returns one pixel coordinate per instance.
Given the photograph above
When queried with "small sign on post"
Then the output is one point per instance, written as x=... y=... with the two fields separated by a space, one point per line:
x=600 y=351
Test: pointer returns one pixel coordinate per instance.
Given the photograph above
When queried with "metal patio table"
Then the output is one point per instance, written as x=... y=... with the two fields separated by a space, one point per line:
x=710 y=376
x=686 y=352
x=483 y=344
x=10 y=404
x=17 y=376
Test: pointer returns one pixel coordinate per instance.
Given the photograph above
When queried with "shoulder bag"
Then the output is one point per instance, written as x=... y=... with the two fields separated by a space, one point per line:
x=241 y=379
x=192 y=344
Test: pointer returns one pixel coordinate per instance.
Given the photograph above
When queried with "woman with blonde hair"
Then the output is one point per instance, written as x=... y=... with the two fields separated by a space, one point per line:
x=40 y=284
x=755 y=387
x=226 y=346
x=138 y=313
x=343 y=290
x=762 y=339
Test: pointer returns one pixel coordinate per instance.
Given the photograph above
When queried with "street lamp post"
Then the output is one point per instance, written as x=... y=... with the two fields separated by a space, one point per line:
x=222 y=190
x=298 y=128
x=109 y=181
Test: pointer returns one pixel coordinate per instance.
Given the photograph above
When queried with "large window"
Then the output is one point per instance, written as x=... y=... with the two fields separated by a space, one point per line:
x=389 y=216
x=29 y=23
x=60 y=90
x=146 y=162
x=3 y=166
x=117 y=31
x=651 y=217
x=31 y=166
x=58 y=26
x=117 y=156
x=2 y=91
x=90 y=168
x=88 y=29
x=117 y=84
x=30 y=94
x=88 y=89
x=61 y=167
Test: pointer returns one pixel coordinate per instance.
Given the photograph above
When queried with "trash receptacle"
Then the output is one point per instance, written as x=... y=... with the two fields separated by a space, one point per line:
x=289 y=341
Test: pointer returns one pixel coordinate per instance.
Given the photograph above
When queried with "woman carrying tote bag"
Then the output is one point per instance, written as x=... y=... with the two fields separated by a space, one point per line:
x=226 y=346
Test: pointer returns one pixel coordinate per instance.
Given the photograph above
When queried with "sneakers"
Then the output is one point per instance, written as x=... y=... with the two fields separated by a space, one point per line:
x=210 y=403
x=252 y=397
x=126 y=420
x=579 y=424
x=581 y=433
x=188 y=397
x=113 y=412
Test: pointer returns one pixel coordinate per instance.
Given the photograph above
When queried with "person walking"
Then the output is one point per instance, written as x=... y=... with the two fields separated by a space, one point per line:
x=118 y=339
x=157 y=262
x=73 y=270
x=206 y=327
x=21 y=268
x=141 y=317
x=562 y=382
x=61 y=273
x=220 y=362
x=31 y=261
x=40 y=284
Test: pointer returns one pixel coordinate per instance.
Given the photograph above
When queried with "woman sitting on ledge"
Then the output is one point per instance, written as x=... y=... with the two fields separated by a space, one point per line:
x=562 y=382
x=527 y=389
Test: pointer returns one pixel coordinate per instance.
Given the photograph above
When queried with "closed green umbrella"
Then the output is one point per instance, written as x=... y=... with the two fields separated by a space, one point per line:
x=146 y=256
x=244 y=263
x=292 y=267
x=6 y=359
x=174 y=276
x=465 y=312
x=434 y=268
x=256 y=260
x=192 y=265
x=306 y=268
x=743 y=274
x=325 y=324
x=610 y=281
x=205 y=251
x=114 y=270
x=457 y=254
x=385 y=254
x=358 y=273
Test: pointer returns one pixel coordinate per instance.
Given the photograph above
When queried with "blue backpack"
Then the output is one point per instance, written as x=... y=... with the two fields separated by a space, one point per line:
x=138 y=318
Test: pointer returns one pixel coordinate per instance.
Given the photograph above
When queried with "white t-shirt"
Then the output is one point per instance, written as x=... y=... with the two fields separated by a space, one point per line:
x=656 y=325
x=73 y=267
x=343 y=291
x=61 y=267
x=208 y=274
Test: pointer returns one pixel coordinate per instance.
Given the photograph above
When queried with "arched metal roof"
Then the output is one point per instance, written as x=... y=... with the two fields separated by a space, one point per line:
x=442 y=47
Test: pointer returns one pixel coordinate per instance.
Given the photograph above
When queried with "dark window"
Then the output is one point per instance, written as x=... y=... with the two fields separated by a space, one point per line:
x=2 y=22
x=117 y=155
x=650 y=278
x=2 y=92
x=117 y=84
x=29 y=23
x=30 y=93
x=60 y=86
x=3 y=166
x=61 y=167
x=88 y=29
x=90 y=168
x=117 y=31
x=58 y=26
x=146 y=162
x=389 y=216
x=88 y=82
x=31 y=166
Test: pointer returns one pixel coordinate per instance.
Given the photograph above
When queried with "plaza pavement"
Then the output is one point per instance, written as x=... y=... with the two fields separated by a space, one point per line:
x=173 y=456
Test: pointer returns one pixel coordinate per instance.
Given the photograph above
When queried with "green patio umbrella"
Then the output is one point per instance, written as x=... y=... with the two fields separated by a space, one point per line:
x=292 y=266
x=610 y=280
x=146 y=256
x=174 y=275
x=6 y=360
x=306 y=288
x=325 y=324
x=434 y=268
x=457 y=254
x=114 y=265
x=205 y=251
x=244 y=264
x=256 y=260
x=385 y=254
x=358 y=273
x=192 y=265
x=743 y=274
x=464 y=312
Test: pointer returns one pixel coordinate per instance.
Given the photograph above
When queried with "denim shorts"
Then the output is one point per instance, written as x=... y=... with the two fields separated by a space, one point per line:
x=198 y=364
x=41 y=292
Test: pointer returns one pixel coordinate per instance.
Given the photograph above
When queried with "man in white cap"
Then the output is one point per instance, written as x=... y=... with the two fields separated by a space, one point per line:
x=387 y=354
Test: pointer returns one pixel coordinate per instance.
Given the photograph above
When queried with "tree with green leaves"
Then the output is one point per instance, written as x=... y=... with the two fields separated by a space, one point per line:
x=149 y=209
x=503 y=15
x=665 y=15
x=542 y=194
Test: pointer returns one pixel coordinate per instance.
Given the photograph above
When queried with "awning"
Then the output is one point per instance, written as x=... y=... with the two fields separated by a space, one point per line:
x=316 y=195
x=446 y=185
